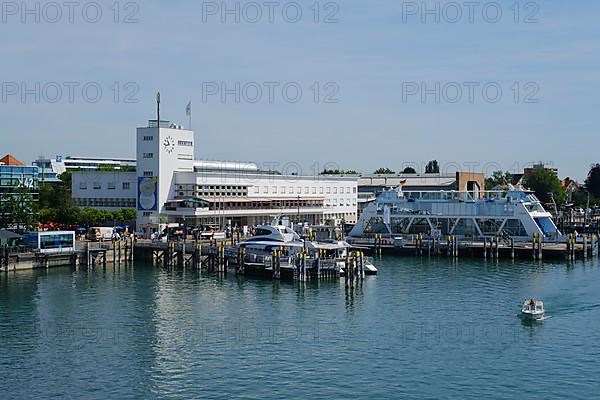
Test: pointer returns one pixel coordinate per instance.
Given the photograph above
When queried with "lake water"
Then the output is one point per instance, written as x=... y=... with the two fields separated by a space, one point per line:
x=422 y=328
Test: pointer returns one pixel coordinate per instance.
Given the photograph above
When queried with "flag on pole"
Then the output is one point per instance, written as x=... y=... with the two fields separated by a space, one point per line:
x=188 y=109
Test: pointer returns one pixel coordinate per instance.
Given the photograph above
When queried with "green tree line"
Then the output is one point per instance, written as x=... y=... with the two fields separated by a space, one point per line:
x=22 y=210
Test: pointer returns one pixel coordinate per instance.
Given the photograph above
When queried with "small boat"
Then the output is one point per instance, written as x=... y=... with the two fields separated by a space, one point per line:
x=533 y=309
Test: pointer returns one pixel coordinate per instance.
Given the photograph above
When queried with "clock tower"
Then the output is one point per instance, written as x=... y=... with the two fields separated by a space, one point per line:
x=162 y=149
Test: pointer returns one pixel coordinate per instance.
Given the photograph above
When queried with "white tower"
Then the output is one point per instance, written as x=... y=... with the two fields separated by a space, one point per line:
x=162 y=149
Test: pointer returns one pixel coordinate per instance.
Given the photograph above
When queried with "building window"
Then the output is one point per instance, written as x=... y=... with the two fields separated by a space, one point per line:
x=274 y=189
x=314 y=190
x=321 y=190
x=126 y=185
x=256 y=189
x=354 y=190
x=83 y=185
x=306 y=190
x=97 y=186
x=148 y=155
x=283 y=190
x=185 y=143
x=148 y=173
x=335 y=190
x=328 y=190
x=111 y=186
x=299 y=190
x=148 y=138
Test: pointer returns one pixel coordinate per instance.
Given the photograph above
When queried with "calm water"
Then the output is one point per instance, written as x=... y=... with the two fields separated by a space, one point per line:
x=421 y=329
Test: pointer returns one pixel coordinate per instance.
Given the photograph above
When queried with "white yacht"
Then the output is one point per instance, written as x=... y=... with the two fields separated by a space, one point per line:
x=533 y=309
x=268 y=238
x=513 y=213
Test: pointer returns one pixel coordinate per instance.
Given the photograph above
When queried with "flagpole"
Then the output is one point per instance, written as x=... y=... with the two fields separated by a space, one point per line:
x=188 y=111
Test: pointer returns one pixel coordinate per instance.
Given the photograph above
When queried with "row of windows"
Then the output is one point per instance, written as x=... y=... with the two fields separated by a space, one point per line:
x=109 y=186
x=148 y=138
x=342 y=202
x=307 y=190
x=211 y=194
x=120 y=203
x=148 y=155
x=185 y=143
x=217 y=187
x=8 y=170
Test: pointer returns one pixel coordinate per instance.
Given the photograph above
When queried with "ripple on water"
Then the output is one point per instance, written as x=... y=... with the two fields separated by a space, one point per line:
x=432 y=328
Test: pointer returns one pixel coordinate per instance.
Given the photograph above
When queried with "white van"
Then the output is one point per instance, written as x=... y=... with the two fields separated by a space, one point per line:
x=100 y=234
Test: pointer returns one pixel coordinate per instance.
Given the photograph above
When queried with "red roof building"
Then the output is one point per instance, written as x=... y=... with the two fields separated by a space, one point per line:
x=10 y=160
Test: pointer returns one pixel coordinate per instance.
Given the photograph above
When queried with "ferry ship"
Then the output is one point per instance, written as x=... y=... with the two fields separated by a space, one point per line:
x=513 y=213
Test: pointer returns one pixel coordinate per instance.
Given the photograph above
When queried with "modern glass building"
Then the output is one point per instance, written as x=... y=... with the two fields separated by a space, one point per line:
x=18 y=194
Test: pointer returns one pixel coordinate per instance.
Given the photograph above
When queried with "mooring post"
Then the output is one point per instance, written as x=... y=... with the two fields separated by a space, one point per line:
x=457 y=245
x=512 y=248
x=484 y=247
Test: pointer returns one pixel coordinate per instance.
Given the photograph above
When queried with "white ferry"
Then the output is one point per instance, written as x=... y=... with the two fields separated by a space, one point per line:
x=514 y=213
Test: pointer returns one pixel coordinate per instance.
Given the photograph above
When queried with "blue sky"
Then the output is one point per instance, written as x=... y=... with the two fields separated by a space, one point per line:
x=370 y=57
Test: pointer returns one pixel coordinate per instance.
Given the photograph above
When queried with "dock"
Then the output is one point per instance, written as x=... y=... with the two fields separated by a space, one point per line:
x=538 y=248
x=217 y=257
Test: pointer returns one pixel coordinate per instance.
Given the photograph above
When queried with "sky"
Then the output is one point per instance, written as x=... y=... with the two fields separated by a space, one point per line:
x=302 y=86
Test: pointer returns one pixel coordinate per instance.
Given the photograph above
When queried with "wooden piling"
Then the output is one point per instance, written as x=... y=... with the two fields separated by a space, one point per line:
x=512 y=248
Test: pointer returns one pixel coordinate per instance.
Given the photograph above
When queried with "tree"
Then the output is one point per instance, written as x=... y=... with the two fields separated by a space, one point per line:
x=432 y=167
x=592 y=183
x=18 y=209
x=497 y=178
x=338 y=172
x=384 y=171
x=409 y=170
x=543 y=181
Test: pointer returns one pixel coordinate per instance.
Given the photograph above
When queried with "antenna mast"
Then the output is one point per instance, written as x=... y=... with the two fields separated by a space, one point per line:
x=158 y=108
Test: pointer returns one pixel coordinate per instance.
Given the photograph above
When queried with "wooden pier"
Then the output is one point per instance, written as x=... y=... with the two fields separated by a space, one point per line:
x=216 y=257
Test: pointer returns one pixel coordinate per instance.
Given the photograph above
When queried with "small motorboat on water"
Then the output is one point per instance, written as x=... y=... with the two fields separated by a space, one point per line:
x=533 y=309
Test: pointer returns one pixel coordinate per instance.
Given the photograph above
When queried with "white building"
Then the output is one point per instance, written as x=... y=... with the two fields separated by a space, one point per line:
x=105 y=190
x=60 y=164
x=170 y=186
